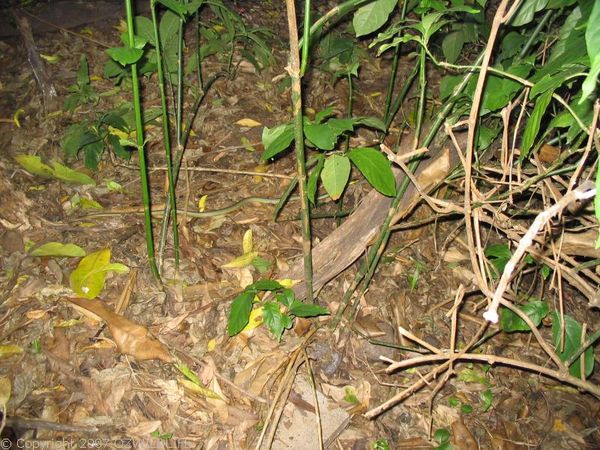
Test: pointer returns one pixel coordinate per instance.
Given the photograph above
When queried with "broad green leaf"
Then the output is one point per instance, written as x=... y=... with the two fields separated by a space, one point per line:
x=373 y=16
x=487 y=397
x=276 y=140
x=174 y=6
x=323 y=114
x=526 y=11
x=551 y=82
x=313 y=178
x=573 y=339
x=69 y=175
x=188 y=373
x=533 y=124
x=371 y=122
x=125 y=55
x=473 y=375
x=592 y=42
x=300 y=309
x=87 y=280
x=143 y=28
x=452 y=45
x=325 y=135
x=335 y=175
x=510 y=322
x=261 y=264
x=168 y=29
x=498 y=254
x=376 y=168
x=58 y=249
x=275 y=320
x=499 y=91
x=34 y=165
x=265 y=285
x=240 y=313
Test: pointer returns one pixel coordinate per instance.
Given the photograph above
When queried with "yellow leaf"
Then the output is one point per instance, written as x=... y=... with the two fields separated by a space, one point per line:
x=241 y=261
x=5 y=391
x=247 y=241
x=255 y=319
x=52 y=59
x=250 y=123
x=287 y=282
x=122 y=135
x=193 y=387
x=6 y=351
x=247 y=144
x=202 y=203
x=212 y=344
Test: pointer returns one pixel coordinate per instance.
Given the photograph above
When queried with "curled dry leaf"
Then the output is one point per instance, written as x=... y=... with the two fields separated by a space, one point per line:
x=462 y=439
x=130 y=338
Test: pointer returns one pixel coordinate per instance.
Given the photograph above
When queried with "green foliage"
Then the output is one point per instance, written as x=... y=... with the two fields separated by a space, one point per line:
x=34 y=165
x=487 y=398
x=278 y=314
x=323 y=133
x=381 y=444
x=572 y=344
x=87 y=280
x=536 y=310
x=58 y=249
x=442 y=437
x=82 y=91
x=91 y=137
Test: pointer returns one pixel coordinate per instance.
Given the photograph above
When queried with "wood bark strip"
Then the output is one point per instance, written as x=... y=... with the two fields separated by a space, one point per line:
x=348 y=242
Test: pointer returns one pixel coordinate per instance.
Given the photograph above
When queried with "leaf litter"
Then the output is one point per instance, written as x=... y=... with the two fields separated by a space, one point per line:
x=61 y=368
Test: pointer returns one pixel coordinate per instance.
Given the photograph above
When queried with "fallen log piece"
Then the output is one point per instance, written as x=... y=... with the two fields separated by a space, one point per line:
x=348 y=242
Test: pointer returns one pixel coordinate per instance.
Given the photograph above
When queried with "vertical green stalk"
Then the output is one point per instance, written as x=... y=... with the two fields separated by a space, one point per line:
x=139 y=126
x=368 y=267
x=166 y=136
x=305 y=37
x=294 y=71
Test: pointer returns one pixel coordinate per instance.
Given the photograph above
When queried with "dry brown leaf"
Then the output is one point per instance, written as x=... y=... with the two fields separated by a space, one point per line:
x=130 y=338
x=462 y=439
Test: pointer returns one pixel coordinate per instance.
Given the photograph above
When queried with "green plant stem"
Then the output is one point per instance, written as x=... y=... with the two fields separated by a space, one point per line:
x=535 y=33
x=179 y=157
x=391 y=84
x=197 y=42
x=294 y=71
x=305 y=37
x=139 y=125
x=384 y=231
x=166 y=137
x=333 y=16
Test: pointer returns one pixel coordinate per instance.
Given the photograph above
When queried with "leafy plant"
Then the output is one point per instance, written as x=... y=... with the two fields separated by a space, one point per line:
x=536 y=310
x=277 y=314
x=82 y=91
x=573 y=338
x=333 y=167
x=87 y=280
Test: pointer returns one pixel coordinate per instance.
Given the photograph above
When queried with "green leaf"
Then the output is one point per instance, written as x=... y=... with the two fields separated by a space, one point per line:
x=261 y=264
x=487 y=397
x=473 y=375
x=58 y=249
x=376 y=168
x=275 y=320
x=592 y=42
x=313 y=178
x=174 y=6
x=265 y=285
x=300 y=309
x=335 y=175
x=87 y=280
x=572 y=344
x=441 y=435
x=69 y=175
x=466 y=409
x=125 y=55
x=188 y=373
x=373 y=16
x=83 y=73
x=510 y=322
x=533 y=124
x=168 y=29
x=143 y=28
x=526 y=12
x=371 y=122
x=34 y=165
x=240 y=312
x=276 y=140
x=325 y=135
x=452 y=45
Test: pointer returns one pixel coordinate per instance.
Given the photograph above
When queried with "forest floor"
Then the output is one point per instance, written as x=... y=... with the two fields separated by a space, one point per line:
x=68 y=381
